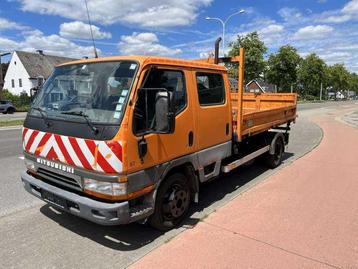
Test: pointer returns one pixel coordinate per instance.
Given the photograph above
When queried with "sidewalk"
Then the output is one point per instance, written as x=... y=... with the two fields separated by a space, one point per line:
x=304 y=216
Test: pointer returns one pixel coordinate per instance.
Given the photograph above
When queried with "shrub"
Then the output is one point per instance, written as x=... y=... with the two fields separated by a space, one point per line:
x=21 y=102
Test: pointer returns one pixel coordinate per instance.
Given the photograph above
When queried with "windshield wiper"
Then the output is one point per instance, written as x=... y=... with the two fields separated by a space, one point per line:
x=43 y=115
x=85 y=116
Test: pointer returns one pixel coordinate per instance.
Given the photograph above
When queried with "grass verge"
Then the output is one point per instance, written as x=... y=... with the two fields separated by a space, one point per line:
x=8 y=123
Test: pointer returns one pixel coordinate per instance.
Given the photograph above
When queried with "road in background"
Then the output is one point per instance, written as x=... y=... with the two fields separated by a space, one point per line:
x=45 y=237
x=15 y=116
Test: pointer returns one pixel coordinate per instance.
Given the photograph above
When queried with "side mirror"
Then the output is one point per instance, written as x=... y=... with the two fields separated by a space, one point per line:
x=164 y=113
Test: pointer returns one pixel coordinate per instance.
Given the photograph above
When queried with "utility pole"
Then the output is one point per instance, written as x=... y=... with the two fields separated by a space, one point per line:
x=1 y=76
x=320 y=93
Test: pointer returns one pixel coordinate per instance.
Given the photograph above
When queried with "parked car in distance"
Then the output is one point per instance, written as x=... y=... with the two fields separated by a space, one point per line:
x=6 y=107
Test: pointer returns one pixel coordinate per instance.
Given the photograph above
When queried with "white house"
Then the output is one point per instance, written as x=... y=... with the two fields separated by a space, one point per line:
x=26 y=67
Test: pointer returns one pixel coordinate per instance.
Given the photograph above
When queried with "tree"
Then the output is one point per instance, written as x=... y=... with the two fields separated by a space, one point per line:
x=254 y=54
x=338 y=78
x=353 y=82
x=282 y=68
x=311 y=74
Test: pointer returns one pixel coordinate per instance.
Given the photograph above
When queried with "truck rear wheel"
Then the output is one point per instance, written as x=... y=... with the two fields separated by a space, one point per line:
x=275 y=159
x=172 y=203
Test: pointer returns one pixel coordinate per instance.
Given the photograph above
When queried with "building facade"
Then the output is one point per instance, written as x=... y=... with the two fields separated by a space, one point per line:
x=25 y=68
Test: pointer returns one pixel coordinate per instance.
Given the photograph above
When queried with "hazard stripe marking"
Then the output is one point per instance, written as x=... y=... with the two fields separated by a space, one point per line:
x=101 y=156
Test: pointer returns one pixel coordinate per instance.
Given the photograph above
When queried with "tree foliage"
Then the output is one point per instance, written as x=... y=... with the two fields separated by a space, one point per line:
x=338 y=78
x=286 y=68
x=255 y=50
x=282 y=68
x=311 y=74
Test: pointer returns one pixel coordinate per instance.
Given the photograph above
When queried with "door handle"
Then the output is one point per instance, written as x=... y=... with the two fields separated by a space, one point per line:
x=191 y=138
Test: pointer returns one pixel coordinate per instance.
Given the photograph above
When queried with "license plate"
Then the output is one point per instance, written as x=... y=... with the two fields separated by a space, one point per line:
x=53 y=198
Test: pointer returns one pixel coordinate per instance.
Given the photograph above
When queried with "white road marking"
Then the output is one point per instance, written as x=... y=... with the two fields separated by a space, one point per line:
x=21 y=157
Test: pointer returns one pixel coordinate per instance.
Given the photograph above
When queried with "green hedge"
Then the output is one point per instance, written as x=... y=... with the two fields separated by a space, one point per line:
x=21 y=102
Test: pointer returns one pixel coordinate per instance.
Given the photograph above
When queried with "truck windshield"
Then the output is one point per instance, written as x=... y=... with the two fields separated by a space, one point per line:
x=97 y=90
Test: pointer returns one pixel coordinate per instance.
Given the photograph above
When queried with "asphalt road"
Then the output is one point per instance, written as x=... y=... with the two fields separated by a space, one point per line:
x=34 y=235
x=15 y=116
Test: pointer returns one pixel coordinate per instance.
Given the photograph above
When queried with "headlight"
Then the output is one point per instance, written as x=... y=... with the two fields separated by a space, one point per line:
x=107 y=188
x=30 y=165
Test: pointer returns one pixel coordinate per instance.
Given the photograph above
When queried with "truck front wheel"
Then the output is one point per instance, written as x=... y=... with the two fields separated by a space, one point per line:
x=172 y=203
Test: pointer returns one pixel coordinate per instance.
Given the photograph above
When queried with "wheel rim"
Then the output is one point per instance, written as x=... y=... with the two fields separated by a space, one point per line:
x=176 y=202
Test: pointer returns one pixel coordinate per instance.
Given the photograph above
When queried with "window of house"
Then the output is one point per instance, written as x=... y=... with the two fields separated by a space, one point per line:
x=20 y=82
x=173 y=81
x=13 y=83
x=210 y=88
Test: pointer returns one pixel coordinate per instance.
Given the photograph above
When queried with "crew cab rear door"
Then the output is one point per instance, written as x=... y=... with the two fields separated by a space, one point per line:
x=213 y=117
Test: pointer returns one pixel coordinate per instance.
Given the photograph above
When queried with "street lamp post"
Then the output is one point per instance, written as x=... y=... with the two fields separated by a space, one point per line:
x=1 y=76
x=223 y=23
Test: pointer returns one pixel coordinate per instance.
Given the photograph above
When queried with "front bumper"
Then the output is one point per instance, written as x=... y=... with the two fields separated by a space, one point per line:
x=95 y=211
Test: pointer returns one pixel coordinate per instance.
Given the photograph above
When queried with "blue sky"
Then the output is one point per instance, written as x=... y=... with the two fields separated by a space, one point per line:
x=178 y=28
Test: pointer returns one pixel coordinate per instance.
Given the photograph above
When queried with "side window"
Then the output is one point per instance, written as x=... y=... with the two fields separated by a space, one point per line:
x=211 y=90
x=13 y=83
x=20 y=82
x=173 y=81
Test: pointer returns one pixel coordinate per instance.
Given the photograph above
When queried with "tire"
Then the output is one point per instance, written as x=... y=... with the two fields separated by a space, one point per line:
x=172 y=203
x=274 y=160
x=10 y=110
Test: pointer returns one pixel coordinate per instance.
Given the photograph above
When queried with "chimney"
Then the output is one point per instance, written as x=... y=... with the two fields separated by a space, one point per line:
x=41 y=52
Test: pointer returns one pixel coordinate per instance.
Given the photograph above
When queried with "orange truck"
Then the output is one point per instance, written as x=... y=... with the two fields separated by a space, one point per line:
x=122 y=139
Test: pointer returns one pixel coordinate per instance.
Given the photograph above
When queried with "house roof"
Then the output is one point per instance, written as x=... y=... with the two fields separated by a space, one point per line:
x=257 y=83
x=37 y=64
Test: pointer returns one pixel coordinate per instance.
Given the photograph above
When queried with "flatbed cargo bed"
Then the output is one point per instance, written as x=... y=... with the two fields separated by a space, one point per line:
x=261 y=112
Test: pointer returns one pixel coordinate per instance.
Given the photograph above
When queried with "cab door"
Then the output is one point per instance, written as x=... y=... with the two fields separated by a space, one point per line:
x=213 y=115
x=164 y=147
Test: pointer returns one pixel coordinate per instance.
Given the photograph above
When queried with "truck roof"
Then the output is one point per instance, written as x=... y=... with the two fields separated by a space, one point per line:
x=153 y=60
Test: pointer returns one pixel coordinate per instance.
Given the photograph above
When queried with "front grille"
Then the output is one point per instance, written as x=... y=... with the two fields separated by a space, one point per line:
x=59 y=179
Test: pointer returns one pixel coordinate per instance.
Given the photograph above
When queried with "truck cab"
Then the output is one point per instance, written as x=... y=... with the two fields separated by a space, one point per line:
x=122 y=139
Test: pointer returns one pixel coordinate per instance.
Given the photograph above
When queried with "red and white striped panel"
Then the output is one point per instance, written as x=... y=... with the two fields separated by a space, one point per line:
x=101 y=156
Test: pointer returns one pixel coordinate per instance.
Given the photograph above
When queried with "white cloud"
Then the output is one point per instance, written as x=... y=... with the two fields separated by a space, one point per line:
x=272 y=29
x=335 y=57
x=289 y=14
x=272 y=34
x=8 y=44
x=80 y=30
x=144 y=44
x=52 y=44
x=6 y=24
x=149 y=13
x=351 y=8
x=348 y=13
x=312 y=32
